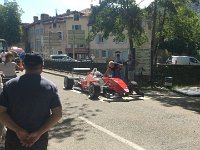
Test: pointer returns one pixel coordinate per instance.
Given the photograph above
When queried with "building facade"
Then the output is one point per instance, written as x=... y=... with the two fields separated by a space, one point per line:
x=77 y=33
x=68 y=33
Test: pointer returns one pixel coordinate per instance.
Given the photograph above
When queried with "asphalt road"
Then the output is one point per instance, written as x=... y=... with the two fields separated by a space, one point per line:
x=162 y=121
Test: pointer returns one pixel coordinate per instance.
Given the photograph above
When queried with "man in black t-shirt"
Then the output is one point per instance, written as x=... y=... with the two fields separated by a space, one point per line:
x=114 y=69
x=29 y=107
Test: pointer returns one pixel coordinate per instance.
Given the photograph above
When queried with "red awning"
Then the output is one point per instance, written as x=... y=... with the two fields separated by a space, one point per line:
x=16 y=49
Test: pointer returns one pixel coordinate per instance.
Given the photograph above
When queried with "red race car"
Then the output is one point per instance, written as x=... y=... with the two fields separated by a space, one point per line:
x=96 y=84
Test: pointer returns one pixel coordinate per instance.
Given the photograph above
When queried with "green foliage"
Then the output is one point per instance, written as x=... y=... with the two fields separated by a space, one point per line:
x=178 y=26
x=119 y=18
x=10 y=18
x=183 y=32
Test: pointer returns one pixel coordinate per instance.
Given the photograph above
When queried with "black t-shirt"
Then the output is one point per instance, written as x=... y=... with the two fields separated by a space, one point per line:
x=28 y=100
x=115 y=70
x=116 y=66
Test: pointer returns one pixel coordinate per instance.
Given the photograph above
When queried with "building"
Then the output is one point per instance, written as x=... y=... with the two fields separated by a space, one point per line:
x=105 y=50
x=77 y=32
x=61 y=34
x=46 y=36
x=67 y=34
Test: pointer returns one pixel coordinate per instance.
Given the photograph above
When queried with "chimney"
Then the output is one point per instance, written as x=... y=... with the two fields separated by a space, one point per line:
x=44 y=16
x=35 y=18
x=68 y=12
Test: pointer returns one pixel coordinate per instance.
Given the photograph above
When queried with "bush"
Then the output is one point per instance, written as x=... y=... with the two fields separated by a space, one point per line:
x=182 y=74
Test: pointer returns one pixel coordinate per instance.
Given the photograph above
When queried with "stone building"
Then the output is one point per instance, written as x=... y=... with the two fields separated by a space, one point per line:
x=60 y=34
x=67 y=34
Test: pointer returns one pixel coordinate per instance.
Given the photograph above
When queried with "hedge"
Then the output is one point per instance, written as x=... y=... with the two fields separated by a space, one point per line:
x=68 y=66
x=182 y=74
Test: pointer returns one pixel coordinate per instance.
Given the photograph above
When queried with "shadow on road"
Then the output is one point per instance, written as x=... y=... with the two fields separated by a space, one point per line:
x=71 y=125
x=170 y=99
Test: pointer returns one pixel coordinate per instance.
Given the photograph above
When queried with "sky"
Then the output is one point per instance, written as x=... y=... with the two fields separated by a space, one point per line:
x=36 y=7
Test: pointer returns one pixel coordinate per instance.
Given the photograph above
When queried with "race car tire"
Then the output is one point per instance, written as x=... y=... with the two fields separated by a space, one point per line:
x=94 y=91
x=133 y=86
x=68 y=83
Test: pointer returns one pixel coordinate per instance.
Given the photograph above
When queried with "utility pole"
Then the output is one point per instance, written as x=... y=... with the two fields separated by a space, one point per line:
x=73 y=44
x=153 y=40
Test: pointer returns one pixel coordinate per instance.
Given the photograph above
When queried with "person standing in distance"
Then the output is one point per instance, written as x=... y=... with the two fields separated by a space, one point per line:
x=113 y=69
x=29 y=107
x=8 y=67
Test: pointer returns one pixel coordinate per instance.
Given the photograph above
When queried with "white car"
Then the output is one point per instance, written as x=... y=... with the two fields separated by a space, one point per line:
x=182 y=60
x=62 y=57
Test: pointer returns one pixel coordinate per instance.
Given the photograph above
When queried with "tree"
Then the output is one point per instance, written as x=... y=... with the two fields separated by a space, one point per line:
x=176 y=26
x=2 y=20
x=183 y=33
x=121 y=19
x=10 y=27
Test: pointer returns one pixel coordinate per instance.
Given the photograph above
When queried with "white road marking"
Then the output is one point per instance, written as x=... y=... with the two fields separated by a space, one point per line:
x=75 y=91
x=121 y=139
x=123 y=99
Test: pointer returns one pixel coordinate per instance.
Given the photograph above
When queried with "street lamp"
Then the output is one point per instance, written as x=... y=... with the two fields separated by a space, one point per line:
x=73 y=44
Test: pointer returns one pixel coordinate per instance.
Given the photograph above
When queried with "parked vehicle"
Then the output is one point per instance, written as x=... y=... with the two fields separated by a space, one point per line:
x=183 y=60
x=62 y=57
x=87 y=60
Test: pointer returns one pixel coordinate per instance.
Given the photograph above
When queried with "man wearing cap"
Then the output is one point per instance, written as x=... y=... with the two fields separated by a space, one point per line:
x=29 y=107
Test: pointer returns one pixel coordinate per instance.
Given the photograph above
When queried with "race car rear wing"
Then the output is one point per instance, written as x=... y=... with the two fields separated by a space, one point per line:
x=80 y=70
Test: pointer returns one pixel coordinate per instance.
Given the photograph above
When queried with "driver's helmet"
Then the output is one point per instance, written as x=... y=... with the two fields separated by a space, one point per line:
x=98 y=74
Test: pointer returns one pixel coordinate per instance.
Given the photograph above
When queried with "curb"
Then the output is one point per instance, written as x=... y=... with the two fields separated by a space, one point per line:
x=55 y=73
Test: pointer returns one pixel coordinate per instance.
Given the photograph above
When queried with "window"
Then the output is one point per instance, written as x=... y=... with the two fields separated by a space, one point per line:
x=104 y=54
x=117 y=41
x=80 y=45
x=76 y=17
x=38 y=44
x=99 y=39
x=54 y=25
x=193 y=60
x=97 y=53
x=59 y=52
x=60 y=35
x=76 y=27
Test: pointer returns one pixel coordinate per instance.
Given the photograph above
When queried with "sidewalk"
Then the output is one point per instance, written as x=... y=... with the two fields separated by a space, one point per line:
x=58 y=73
x=188 y=91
